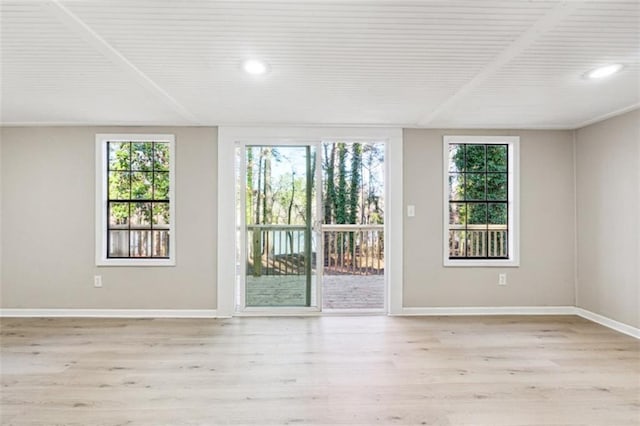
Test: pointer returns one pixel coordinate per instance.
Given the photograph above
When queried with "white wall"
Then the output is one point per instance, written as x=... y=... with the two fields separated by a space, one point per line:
x=546 y=273
x=48 y=184
x=608 y=185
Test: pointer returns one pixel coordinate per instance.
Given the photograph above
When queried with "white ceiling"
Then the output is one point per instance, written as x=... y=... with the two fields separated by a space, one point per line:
x=455 y=64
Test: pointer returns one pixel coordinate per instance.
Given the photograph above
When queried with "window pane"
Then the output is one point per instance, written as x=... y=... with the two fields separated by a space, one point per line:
x=161 y=186
x=142 y=156
x=457 y=213
x=160 y=215
x=140 y=215
x=141 y=186
x=457 y=243
x=497 y=213
x=140 y=244
x=118 y=243
x=119 y=215
x=119 y=186
x=497 y=186
x=477 y=213
x=456 y=186
x=476 y=243
x=160 y=244
x=161 y=156
x=475 y=158
x=119 y=155
x=497 y=158
x=475 y=186
x=456 y=158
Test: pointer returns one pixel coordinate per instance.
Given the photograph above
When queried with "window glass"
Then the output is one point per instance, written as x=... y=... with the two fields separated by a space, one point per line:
x=138 y=199
x=477 y=193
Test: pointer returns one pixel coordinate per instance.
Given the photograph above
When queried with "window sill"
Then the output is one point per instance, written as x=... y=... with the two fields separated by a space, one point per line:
x=484 y=263
x=136 y=262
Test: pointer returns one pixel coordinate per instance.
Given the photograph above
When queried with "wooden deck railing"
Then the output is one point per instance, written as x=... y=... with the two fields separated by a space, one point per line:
x=276 y=250
x=480 y=241
x=353 y=249
x=347 y=249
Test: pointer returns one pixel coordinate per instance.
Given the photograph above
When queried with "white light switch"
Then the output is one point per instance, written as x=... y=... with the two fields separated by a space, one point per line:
x=411 y=210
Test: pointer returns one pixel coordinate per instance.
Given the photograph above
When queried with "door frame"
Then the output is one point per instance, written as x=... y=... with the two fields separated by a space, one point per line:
x=240 y=281
x=228 y=136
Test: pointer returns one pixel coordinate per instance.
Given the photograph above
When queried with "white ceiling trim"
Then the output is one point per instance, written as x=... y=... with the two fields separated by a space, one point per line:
x=74 y=23
x=606 y=116
x=544 y=24
x=523 y=126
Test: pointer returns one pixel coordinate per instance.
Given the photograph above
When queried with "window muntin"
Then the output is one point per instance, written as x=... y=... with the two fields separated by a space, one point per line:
x=480 y=200
x=135 y=217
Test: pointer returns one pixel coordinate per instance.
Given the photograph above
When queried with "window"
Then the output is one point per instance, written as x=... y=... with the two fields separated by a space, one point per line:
x=481 y=200
x=135 y=185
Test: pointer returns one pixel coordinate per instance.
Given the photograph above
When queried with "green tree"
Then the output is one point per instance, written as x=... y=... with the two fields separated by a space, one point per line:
x=330 y=197
x=480 y=174
x=355 y=184
x=139 y=171
x=341 y=191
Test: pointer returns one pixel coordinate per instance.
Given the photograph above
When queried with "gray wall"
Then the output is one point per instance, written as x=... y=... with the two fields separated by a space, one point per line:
x=47 y=224
x=608 y=185
x=546 y=273
x=48 y=210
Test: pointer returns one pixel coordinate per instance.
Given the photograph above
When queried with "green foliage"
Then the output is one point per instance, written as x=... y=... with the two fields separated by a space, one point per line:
x=478 y=172
x=329 y=168
x=353 y=178
x=356 y=182
x=474 y=187
x=118 y=214
x=276 y=179
x=138 y=171
x=341 y=190
x=354 y=185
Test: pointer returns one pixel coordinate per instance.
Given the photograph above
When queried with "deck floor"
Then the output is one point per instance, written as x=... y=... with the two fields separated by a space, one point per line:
x=353 y=292
x=339 y=291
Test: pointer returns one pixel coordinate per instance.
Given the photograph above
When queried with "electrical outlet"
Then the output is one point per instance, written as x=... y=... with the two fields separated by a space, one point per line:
x=97 y=281
x=411 y=211
x=502 y=279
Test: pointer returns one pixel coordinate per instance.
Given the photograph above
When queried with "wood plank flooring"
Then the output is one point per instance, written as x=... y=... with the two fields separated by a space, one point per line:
x=507 y=370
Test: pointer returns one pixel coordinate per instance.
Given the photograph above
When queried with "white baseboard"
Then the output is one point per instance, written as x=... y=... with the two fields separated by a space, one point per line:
x=526 y=310
x=498 y=310
x=608 y=322
x=212 y=313
x=111 y=313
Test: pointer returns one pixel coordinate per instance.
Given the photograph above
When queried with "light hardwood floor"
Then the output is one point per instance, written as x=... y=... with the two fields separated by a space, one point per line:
x=318 y=370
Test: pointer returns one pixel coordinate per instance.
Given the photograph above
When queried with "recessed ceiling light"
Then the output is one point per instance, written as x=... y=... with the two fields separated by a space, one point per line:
x=255 y=67
x=604 y=71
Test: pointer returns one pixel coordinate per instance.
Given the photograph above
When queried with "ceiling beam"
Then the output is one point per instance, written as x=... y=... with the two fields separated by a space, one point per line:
x=77 y=25
x=513 y=50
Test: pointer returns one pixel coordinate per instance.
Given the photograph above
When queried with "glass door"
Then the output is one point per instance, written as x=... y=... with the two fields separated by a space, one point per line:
x=278 y=203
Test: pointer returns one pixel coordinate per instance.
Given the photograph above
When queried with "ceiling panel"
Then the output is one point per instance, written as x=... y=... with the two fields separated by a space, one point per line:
x=545 y=84
x=50 y=75
x=411 y=63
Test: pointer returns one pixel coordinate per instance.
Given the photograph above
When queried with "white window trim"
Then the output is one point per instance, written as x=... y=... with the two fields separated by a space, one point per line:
x=513 y=205
x=101 y=199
